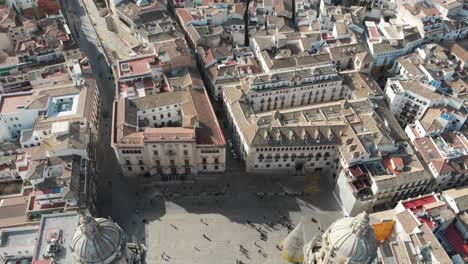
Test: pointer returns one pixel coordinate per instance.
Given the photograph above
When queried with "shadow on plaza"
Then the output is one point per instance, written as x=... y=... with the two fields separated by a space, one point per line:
x=240 y=203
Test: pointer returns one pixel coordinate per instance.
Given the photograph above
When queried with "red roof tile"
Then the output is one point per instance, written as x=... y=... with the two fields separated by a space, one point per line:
x=169 y=134
x=417 y=203
x=136 y=66
x=209 y=131
x=456 y=241
x=184 y=15
x=208 y=57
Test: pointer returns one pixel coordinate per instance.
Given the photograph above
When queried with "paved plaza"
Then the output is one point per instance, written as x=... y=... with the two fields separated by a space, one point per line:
x=173 y=227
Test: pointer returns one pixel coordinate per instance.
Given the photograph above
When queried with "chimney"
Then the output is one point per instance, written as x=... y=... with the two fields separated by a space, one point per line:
x=330 y=134
x=290 y=135
x=277 y=135
x=303 y=134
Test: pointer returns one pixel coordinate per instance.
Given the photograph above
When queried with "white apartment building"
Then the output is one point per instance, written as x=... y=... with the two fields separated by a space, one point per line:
x=42 y=112
x=432 y=64
x=25 y=78
x=16 y=114
x=437 y=20
x=447 y=157
x=437 y=120
x=409 y=99
x=388 y=42
x=169 y=135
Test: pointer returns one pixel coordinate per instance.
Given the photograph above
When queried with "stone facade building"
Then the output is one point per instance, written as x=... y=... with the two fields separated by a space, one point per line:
x=171 y=133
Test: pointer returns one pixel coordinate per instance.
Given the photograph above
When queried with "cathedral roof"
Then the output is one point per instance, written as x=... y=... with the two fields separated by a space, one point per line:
x=351 y=240
x=97 y=241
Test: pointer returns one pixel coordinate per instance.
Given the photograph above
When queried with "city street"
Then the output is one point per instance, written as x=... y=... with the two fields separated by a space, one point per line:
x=113 y=43
x=84 y=32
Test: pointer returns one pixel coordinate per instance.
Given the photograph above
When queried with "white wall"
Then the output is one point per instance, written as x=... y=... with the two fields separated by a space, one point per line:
x=162 y=115
x=350 y=204
x=11 y=124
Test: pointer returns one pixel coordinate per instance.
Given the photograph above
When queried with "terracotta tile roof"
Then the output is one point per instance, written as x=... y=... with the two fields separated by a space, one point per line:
x=427 y=148
x=13 y=211
x=209 y=131
x=407 y=221
x=184 y=15
x=208 y=58
x=195 y=105
x=461 y=53
x=135 y=66
x=169 y=134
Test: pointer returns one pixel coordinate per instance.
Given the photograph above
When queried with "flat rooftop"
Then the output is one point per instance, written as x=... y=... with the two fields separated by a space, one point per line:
x=135 y=66
x=16 y=239
x=56 y=226
x=17 y=236
x=418 y=203
x=13 y=211
x=9 y=103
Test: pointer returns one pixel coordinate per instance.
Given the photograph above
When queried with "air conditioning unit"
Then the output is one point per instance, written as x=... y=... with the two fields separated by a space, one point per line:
x=125 y=67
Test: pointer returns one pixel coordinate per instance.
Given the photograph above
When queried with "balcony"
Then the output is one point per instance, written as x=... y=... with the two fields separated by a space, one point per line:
x=357 y=172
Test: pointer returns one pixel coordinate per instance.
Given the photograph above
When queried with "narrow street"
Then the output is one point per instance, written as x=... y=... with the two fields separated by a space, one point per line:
x=84 y=33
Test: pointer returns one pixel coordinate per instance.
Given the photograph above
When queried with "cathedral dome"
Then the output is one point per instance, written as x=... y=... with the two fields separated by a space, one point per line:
x=97 y=241
x=351 y=240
